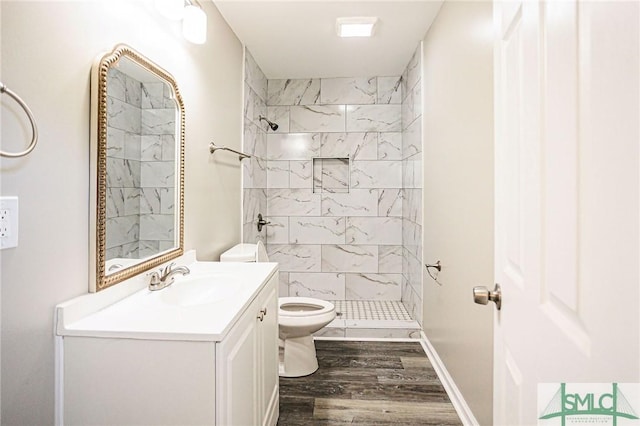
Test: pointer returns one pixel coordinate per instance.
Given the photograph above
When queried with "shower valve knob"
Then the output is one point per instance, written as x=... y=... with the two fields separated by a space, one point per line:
x=261 y=222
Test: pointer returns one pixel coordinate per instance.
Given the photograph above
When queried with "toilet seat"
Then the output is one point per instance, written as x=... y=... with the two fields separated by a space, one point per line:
x=298 y=318
x=303 y=307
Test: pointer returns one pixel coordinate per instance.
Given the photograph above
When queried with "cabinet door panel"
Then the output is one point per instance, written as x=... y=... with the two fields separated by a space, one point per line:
x=238 y=381
x=269 y=355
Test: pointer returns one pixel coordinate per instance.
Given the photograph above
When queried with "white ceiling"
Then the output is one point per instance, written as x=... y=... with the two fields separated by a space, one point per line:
x=297 y=38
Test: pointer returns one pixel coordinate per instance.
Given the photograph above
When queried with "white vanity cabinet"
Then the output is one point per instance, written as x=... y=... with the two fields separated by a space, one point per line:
x=247 y=361
x=135 y=362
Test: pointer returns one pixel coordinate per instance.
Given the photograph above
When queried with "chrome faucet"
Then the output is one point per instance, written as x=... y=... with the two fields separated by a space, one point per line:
x=114 y=267
x=165 y=277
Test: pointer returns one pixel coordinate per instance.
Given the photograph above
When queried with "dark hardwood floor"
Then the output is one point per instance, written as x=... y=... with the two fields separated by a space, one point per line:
x=367 y=383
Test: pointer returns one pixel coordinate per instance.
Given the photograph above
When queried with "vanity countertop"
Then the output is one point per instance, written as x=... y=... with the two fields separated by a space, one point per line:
x=201 y=306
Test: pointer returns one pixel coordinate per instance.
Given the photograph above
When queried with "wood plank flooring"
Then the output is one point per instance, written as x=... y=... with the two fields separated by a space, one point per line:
x=367 y=383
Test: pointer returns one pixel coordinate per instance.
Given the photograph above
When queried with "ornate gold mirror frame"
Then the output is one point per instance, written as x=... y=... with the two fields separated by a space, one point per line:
x=101 y=276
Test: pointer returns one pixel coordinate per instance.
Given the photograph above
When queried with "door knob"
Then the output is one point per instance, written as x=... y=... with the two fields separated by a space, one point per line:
x=482 y=295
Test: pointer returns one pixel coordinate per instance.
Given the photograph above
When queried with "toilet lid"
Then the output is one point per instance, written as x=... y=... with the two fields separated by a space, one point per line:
x=303 y=306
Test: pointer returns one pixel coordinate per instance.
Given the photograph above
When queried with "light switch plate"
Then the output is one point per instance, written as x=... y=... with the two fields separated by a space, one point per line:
x=8 y=222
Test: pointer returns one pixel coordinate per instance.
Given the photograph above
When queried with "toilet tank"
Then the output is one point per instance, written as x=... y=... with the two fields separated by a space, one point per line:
x=245 y=252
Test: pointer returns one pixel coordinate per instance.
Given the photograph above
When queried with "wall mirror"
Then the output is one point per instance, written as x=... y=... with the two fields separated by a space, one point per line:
x=137 y=161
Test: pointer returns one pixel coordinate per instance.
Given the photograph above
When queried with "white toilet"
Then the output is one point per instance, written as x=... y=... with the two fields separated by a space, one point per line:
x=298 y=318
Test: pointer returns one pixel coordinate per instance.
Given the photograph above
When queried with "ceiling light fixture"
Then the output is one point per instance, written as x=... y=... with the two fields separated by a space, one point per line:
x=171 y=9
x=194 y=18
x=194 y=25
x=355 y=26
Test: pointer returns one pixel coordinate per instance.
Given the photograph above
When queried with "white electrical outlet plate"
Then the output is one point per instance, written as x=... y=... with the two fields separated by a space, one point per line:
x=8 y=222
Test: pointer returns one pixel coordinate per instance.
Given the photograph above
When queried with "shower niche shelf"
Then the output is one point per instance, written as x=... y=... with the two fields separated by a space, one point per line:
x=331 y=174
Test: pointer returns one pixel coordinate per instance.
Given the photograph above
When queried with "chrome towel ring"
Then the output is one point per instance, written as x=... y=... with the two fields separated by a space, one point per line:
x=34 y=129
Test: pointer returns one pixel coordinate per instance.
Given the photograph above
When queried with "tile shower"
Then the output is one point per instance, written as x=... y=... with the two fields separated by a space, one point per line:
x=140 y=167
x=340 y=183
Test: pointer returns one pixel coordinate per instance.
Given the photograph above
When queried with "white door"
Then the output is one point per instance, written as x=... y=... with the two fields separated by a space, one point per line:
x=567 y=190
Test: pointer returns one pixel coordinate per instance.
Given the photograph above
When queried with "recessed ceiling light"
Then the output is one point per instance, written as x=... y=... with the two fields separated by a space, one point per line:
x=355 y=26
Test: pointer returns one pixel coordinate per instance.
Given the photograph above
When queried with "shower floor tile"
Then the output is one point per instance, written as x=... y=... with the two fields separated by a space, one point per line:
x=381 y=310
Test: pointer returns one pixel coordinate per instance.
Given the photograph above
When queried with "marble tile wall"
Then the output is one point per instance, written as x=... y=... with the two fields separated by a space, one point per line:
x=254 y=170
x=411 y=154
x=334 y=187
x=140 y=167
x=331 y=244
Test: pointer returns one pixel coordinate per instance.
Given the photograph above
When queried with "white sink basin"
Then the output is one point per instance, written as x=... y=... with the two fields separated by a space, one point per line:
x=204 y=290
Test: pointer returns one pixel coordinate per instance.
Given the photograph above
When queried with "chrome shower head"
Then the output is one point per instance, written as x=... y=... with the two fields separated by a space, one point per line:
x=271 y=124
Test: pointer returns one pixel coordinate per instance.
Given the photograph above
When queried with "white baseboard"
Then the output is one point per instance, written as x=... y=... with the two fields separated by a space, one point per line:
x=464 y=412
x=58 y=380
x=273 y=410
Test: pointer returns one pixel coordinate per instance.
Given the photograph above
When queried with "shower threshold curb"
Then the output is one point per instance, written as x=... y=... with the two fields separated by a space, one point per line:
x=340 y=323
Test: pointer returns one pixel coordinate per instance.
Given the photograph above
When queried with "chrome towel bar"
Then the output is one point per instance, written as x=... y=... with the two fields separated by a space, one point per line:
x=213 y=148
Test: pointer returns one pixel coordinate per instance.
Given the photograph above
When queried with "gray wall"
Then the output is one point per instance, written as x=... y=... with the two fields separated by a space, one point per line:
x=458 y=192
x=47 y=51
